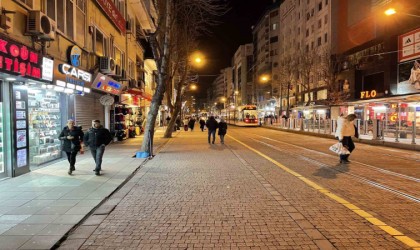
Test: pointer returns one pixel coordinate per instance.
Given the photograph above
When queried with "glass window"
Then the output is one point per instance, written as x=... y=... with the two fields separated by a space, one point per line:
x=325 y=37
x=65 y=12
x=319 y=41
x=320 y=6
x=319 y=23
x=100 y=43
x=81 y=22
x=326 y=19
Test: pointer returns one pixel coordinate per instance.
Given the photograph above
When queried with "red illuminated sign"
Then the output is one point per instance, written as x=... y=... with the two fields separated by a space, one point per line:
x=113 y=13
x=18 y=59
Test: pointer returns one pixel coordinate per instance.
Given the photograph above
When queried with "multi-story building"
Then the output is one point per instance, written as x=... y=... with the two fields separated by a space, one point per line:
x=307 y=34
x=242 y=75
x=381 y=57
x=61 y=60
x=266 y=48
x=222 y=88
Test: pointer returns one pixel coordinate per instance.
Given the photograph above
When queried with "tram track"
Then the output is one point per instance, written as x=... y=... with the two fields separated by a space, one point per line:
x=356 y=177
x=383 y=171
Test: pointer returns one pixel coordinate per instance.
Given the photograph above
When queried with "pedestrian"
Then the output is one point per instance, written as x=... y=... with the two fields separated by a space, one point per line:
x=168 y=118
x=345 y=130
x=178 y=123
x=185 y=121
x=96 y=139
x=202 y=124
x=222 y=130
x=191 y=123
x=72 y=137
x=211 y=125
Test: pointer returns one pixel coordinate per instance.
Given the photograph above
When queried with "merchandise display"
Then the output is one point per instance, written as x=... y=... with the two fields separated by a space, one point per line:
x=1 y=140
x=44 y=126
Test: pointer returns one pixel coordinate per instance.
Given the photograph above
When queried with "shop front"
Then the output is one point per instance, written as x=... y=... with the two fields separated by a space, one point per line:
x=76 y=82
x=106 y=89
x=29 y=121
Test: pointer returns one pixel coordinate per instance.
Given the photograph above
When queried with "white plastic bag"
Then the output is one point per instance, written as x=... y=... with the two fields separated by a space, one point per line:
x=338 y=148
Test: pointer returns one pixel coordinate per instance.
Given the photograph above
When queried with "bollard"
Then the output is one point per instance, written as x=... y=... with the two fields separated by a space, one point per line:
x=413 y=139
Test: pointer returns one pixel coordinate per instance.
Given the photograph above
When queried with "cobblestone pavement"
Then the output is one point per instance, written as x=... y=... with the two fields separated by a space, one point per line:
x=195 y=195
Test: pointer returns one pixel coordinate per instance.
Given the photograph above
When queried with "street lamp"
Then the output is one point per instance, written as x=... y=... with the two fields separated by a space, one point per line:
x=393 y=11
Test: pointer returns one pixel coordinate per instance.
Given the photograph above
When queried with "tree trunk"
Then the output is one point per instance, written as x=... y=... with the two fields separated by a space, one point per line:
x=162 y=80
x=171 y=125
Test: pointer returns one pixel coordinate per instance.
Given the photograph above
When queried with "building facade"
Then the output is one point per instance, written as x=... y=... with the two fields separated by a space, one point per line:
x=242 y=75
x=67 y=60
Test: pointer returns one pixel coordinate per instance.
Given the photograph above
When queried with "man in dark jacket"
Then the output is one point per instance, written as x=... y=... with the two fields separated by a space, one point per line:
x=72 y=137
x=96 y=139
x=211 y=125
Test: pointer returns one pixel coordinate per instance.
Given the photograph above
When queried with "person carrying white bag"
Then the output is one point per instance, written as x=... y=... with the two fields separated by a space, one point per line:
x=345 y=130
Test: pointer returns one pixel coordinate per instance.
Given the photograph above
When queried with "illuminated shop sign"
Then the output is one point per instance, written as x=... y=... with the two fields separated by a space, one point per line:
x=18 y=59
x=106 y=84
x=368 y=94
x=74 y=72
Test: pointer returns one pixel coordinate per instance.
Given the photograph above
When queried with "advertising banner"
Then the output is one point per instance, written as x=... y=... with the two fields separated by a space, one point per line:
x=409 y=63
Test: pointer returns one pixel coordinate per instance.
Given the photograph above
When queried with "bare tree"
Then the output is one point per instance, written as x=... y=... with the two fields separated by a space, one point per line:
x=306 y=65
x=330 y=68
x=288 y=78
x=192 y=16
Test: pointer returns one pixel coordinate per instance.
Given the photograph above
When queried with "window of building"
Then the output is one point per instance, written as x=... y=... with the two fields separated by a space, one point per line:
x=312 y=12
x=307 y=48
x=65 y=13
x=81 y=22
x=322 y=94
x=325 y=38
x=307 y=32
x=312 y=28
x=312 y=45
x=27 y=3
x=119 y=57
x=326 y=2
x=298 y=46
x=320 y=6
x=101 y=43
x=325 y=19
x=275 y=26
x=319 y=41
x=274 y=39
x=120 y=4
x=308 y=16
x=319 y=23
x=131 y=72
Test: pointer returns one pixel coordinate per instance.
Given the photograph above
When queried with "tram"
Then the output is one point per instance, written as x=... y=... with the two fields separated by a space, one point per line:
x=246 y=115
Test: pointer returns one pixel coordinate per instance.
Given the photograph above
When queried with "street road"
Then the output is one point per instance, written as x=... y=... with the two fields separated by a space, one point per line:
x=263 y=189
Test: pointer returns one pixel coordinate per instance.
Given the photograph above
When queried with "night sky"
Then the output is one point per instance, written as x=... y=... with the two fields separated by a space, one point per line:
x=234 y=30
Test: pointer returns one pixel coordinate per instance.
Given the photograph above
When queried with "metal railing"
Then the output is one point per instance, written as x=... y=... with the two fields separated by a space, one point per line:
x=405 y=132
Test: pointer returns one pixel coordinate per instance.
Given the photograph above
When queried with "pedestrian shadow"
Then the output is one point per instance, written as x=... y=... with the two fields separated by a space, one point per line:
x=331 y=172
x=217 y=147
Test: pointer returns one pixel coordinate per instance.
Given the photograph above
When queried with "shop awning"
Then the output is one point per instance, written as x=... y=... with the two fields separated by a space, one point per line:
x=140 y=93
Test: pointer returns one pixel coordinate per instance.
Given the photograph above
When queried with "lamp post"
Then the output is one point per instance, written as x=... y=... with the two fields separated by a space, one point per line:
x=393 y=11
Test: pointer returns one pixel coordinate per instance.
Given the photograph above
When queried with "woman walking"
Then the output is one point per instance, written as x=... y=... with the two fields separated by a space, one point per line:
x=222 y=130
x=345 y=130
x=72 y=137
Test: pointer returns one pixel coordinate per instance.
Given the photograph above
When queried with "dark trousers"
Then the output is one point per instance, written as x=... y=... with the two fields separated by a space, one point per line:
x=222 y=138
x=213 y=133
x=97 y=154
x=348 y=143
x=71 y=157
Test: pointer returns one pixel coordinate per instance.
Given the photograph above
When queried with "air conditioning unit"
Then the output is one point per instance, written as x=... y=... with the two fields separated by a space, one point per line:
x=41 y=25
x=107 y=65
x=118 y=71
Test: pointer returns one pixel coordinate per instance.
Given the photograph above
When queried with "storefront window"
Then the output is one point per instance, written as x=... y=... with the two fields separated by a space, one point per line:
x=2 y=169
x=44 y=125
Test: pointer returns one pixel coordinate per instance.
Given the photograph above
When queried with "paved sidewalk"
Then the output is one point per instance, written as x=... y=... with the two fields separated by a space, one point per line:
x=37 y=209
x=203 y=196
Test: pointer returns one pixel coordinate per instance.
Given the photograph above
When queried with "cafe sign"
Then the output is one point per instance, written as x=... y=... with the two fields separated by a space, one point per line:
x=18 y=59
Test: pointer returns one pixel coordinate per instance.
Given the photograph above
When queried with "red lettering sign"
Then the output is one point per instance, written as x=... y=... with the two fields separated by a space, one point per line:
x=17 y=59
x=113 y=13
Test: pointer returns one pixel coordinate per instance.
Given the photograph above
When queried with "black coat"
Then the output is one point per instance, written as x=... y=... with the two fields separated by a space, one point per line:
x=222 y=128
x=211 y=124
x=97 y=137
x=72 y=145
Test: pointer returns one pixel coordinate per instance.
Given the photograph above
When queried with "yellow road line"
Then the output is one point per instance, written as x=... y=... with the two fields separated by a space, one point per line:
x=374 y=221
